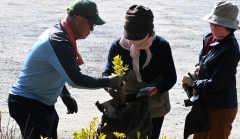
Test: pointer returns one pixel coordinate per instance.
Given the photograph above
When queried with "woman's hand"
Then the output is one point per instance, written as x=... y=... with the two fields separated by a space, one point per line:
x=197 y=70
x=194 y=92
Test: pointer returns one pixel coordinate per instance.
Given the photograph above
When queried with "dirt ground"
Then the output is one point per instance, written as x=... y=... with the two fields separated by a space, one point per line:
x=22 y=21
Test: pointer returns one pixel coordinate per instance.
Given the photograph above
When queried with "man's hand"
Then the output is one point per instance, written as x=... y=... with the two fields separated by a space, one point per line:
x=114 y=93
x=70 y=102
x=147 y=92
x=115 y=80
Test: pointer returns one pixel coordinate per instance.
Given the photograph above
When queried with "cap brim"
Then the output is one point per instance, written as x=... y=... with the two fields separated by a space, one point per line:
x=226 y=22
x=96 y=20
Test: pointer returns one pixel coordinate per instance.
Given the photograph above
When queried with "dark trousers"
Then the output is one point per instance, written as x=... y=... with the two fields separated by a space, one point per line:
x=43 y=119
x=157 y=125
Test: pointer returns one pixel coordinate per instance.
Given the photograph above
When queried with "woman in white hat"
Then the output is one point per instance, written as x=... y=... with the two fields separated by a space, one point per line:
x=218 y=60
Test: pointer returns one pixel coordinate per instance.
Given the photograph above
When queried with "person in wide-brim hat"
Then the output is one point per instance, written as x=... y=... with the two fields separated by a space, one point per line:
x=218 y=60
x=224 y=14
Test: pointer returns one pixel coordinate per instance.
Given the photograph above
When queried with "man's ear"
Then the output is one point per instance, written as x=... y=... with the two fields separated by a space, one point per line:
x=78 y=18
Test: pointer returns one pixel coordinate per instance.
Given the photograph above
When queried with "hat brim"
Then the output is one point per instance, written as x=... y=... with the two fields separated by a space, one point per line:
x=226 y=22
x=96 y=20
x=137 y=42
x=134 y=36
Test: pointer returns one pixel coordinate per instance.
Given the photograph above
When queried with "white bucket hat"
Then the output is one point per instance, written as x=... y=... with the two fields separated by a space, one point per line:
x=225 y=14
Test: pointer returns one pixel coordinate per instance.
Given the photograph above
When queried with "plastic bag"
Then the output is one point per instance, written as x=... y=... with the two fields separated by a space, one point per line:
x=127 y=118
x=196 y=120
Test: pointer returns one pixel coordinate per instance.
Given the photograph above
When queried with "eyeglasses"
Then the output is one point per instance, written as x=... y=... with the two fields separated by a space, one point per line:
x=91 y=24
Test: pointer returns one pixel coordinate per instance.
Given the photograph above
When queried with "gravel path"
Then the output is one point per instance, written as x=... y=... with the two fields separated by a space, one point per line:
x=177 y=21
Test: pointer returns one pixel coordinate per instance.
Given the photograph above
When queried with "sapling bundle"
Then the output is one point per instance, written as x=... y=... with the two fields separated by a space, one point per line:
x=120 y=70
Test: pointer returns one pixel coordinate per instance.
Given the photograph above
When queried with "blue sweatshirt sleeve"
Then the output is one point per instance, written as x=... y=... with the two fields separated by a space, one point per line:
x=65 y=63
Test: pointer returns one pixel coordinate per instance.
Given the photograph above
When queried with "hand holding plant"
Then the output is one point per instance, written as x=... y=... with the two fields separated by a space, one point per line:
x=119 y=70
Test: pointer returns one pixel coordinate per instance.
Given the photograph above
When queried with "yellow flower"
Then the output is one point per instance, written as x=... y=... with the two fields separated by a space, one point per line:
x=86 y=131
x=122 y=135
x=89 y=133
x=43 y=138
x=95 y=119
x=117 y=59
x=102 y=136
x=138 y=134
x=164 y=137
x=116 y=134
x=92 y=126
x=118 y=66
x=105 y=124
x=3 y=111
x=126 y=67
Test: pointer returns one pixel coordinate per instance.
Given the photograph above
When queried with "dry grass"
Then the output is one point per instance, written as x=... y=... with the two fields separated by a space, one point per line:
x=8 y=132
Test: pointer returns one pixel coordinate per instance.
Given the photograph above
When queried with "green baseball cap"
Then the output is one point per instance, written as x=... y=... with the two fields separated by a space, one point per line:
x=87 y=9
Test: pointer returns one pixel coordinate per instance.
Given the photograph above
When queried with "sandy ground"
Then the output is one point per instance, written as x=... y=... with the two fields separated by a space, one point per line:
x=177 y=21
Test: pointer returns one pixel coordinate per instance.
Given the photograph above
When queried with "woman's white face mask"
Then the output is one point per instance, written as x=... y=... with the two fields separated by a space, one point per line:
x=218 y=32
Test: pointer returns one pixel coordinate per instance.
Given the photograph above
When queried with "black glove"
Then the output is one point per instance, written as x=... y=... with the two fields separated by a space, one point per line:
x=114 y=93
x=188 y=90
x=70 y=102
x=115 y=80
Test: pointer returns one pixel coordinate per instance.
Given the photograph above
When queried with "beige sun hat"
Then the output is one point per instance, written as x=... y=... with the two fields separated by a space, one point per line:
x=224 y=13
